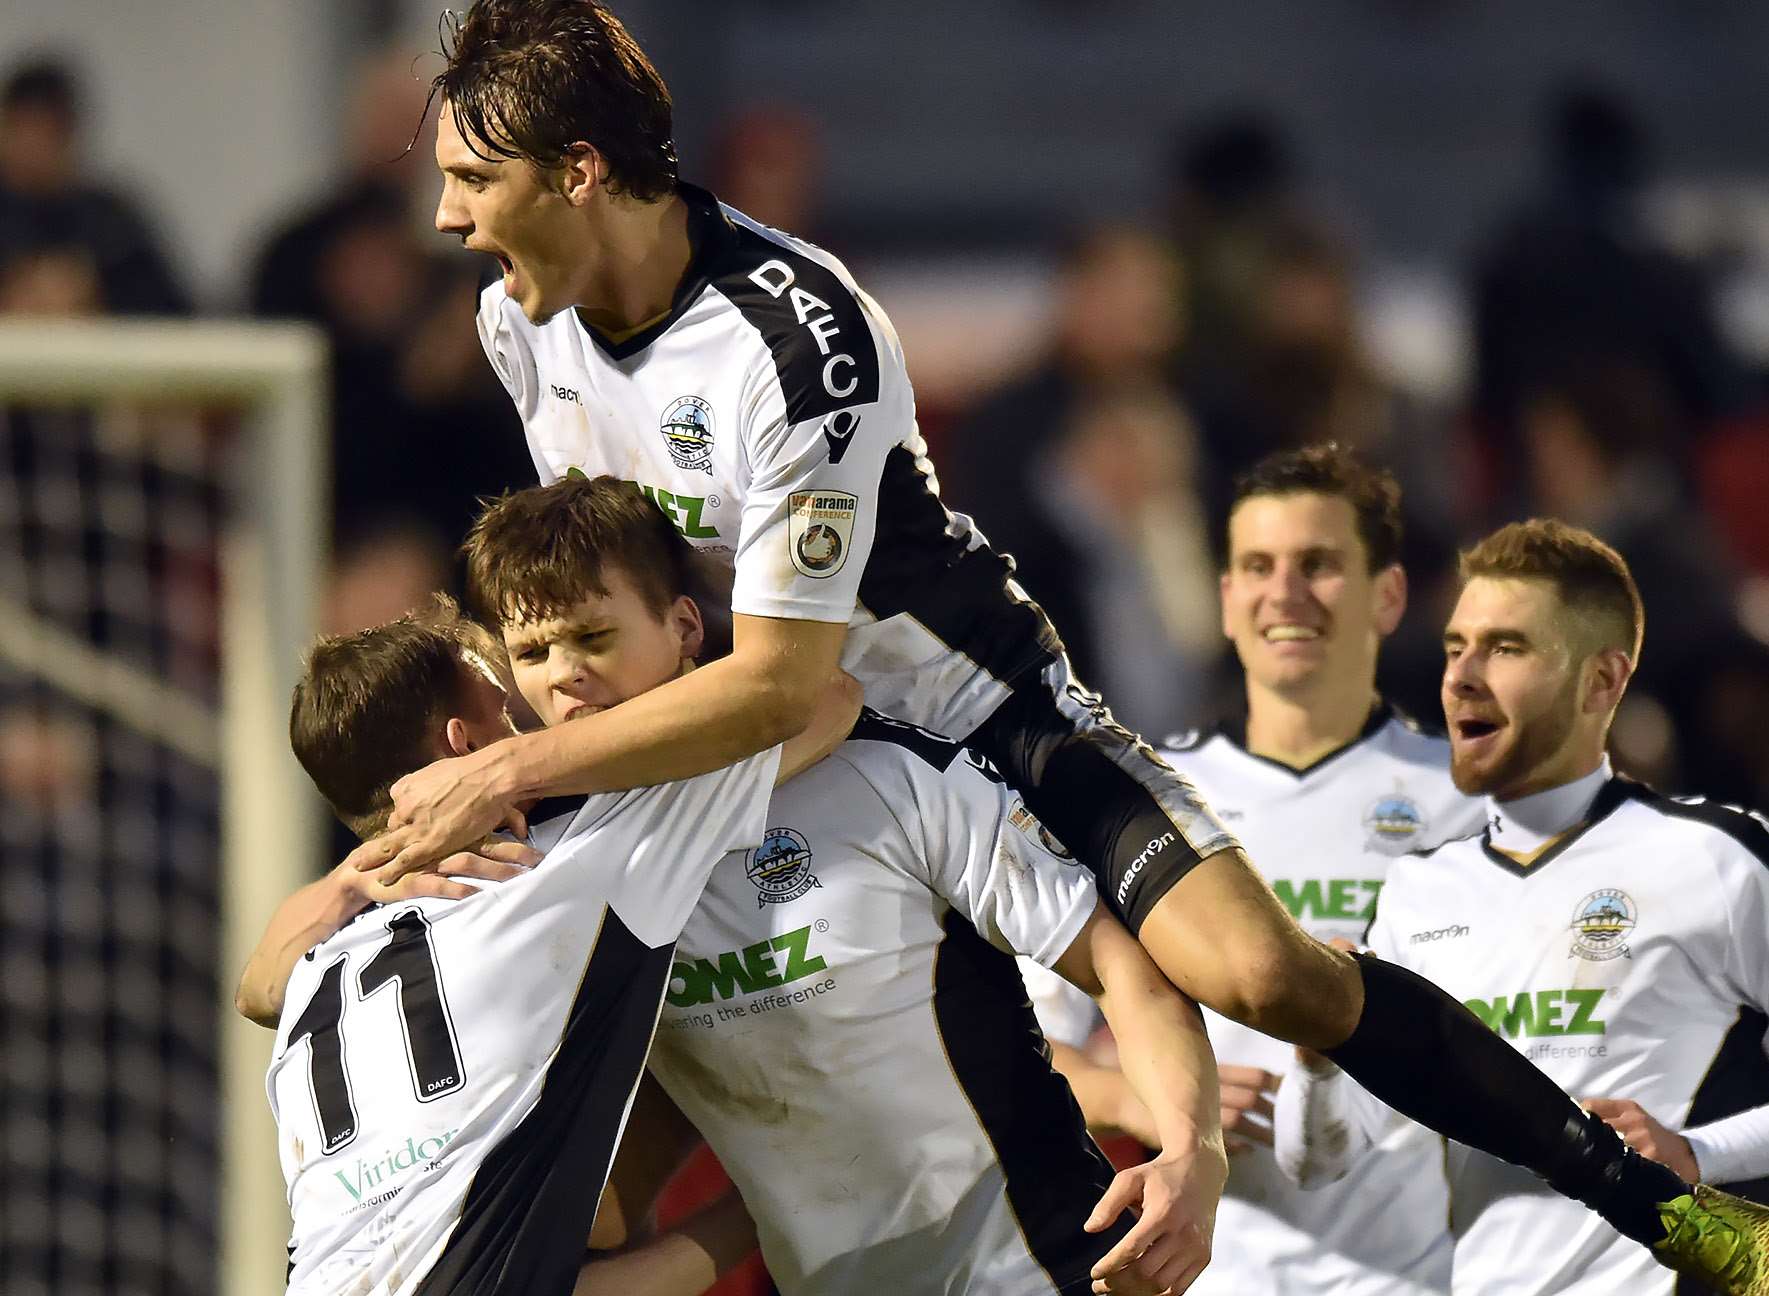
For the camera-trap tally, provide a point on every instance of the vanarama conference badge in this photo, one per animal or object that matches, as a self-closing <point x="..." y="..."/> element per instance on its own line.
<point x="819" y="529"/>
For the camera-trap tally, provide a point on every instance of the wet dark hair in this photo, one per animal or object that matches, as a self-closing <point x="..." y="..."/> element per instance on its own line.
<point x="529" y="79"/>
<point x="1331" y="469"/>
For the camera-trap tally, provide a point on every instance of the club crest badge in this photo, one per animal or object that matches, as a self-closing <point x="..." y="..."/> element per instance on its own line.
<point x="780" y="867"/>
<point x="1394" y="824"/>
<point x="820" y="529"/>
<point x="1601" y="925"/>
<point x="1030" y="825"/>
<point x="687" y="428"/>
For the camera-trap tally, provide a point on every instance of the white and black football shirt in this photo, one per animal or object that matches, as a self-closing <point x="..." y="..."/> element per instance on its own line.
<point x="846" y="1026"/>
<point x="1325" y="838"/>
<point x="451" y="1076"/>
<point x="771" y="417"/>
<point x="1629" y="958"/>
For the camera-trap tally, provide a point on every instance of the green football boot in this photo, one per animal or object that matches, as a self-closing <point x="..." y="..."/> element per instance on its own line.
<point x="1717" y="1239"/>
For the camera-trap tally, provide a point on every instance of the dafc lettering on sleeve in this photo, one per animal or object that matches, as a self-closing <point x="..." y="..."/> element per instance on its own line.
<point x="815" y="328"/>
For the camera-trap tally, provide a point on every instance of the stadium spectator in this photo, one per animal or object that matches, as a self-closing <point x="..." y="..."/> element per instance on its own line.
<point x="768" y="163"/>
<point x="1234" y="189"/>
<point x="419" y="428"/>
<point x="73" y="229"/>
<point x="1038" y="465"/>
<point x="1600" y="441"/>
<point x="1572" y="273"/>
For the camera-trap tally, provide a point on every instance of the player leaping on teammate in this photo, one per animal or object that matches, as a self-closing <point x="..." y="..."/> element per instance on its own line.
<point x="740" y="376"/>
<point x="858" y="1049"/>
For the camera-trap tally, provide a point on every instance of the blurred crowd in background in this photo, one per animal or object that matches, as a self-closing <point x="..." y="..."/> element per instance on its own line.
<point x="1598" y="354"/>
<point x="1151" y="360"/>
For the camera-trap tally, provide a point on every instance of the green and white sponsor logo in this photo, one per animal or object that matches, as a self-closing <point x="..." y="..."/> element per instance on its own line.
<point x="1541" y="1012"/>
<point x="368" y="1177"/>
<point x="1342" y="898"/>
<point x="765" y="965"/>
<point x="683" y="510"/>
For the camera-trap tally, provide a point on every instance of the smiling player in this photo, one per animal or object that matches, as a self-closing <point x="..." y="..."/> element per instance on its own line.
<point x="1617" y="938"/>
<point x="741" y="376"/>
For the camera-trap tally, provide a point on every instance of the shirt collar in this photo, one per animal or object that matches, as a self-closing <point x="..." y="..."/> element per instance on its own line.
<point x="1523" y="825"/>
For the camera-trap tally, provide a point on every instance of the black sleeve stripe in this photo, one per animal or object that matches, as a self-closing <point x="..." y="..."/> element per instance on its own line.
<point x="1053" y="1170"/>
<point x="554" y="807"/>
<point x="936" y="751"/>
<point x="532" y="1201"/>
<point x="1743" y="827"/>
<point x="1736" y="1081"/>
<point x="812" y="322"/>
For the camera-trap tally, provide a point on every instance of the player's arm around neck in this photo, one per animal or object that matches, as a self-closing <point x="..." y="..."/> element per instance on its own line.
<point x="771" y="688"/>
<point x="764" y="693"/>
<point x="1166" y="1057"/>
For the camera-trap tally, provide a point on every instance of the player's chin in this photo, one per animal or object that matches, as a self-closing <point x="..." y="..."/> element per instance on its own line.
<point x="1476" y="772"/>
<point x="538" y="311"/>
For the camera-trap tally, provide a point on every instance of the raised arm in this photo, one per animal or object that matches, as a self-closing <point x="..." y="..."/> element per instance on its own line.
<point x="1166" y="1058"/>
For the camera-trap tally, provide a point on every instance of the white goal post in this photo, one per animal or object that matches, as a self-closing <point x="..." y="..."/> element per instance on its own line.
<point x="272" y="554"/>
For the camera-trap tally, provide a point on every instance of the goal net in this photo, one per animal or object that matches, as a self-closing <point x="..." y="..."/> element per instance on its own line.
<point x="162" y="525"/>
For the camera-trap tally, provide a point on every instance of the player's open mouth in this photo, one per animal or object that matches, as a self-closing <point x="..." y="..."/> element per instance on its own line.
<point x="580" y="710"/>
<point x="1289" y="633"/>
<point x="1473" y="730"/>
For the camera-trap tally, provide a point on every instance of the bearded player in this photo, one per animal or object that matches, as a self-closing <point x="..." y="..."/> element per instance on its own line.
<point x="1617" y="938"/>
<point x="743" y="379"/>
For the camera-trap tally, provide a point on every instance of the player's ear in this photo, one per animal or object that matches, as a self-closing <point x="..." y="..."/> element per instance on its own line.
<point x="1607" y="673"/>
<point x="684" y="619"/>
<point x="459" y="744"/>
<point x="1222" y="584"/>
<point x="1391" y="598"/>
<point x="582" y="173"/>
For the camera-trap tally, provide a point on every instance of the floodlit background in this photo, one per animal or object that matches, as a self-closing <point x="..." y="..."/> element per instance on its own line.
<point x="1516" y="250"/>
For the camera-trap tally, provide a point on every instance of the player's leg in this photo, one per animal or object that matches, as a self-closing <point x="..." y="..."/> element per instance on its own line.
<point x="1220" y="935"/>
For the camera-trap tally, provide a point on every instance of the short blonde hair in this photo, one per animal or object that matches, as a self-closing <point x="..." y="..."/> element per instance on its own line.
<point x="1591" y="579"/>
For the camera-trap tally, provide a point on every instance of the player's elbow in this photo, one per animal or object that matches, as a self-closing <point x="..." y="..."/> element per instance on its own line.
<point x="255" y="1007"/>
<point x="779" y="710"/>
<point x="785" y="704"/>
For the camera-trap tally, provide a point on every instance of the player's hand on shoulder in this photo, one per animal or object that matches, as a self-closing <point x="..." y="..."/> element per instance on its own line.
<point x="1174" y="1197"/>
<point x="1645" y="1135"/>
<point x="438" y="811"/>
<point x="1247" y="1097"/>
<point x="491" y="860"/>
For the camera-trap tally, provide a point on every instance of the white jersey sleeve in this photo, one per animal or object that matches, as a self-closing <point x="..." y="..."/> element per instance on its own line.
<point x="994" y="862"/>
<point x="818" y="424"/>
<point x="697" y="819"/>
<point x="1744" y="886"/>
<point x="512" y="360"/>
<point x="1736" y="1148"/>
<point x="983" y="852"/>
